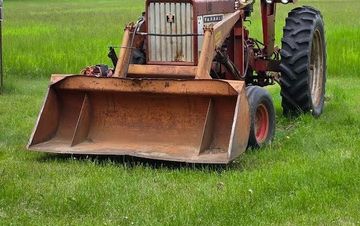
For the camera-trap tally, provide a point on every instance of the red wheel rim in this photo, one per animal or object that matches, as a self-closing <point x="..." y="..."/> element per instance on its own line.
<point x="261" y="123"/>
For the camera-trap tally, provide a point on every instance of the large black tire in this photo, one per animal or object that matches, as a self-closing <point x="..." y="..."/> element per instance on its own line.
<point x="303" y="63"/>
<point x="262" y="115"/>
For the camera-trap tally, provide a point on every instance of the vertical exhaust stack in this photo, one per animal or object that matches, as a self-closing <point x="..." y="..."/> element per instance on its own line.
<point x="198" y="121"/>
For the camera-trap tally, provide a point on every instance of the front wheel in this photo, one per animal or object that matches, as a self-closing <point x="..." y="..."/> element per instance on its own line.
<point x="303" y="62"/>
<point x="262" y="115"/>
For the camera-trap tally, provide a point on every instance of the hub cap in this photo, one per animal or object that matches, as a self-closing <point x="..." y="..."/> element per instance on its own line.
<point x="316" y="69"/>
<point x="261" y="123"/>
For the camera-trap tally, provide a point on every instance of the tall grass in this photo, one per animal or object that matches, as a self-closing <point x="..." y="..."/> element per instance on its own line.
<point x="62" y="37"/>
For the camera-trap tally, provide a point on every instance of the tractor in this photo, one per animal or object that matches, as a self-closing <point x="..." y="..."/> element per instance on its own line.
<point x="187" y="84"/>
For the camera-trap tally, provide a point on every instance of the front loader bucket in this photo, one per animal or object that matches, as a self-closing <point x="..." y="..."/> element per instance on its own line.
<point x="197" y="121"/>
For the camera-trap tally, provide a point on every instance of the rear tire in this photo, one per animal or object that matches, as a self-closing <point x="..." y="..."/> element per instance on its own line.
<point x="303" y="63"/>
<point x="262" y="115"/>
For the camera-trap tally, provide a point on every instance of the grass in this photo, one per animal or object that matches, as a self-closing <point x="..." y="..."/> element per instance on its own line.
<point x="309" y="175"/>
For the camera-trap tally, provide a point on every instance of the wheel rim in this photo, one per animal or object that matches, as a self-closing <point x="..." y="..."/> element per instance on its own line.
<point x="316" y="69"/>
<point x="261" y="123"/>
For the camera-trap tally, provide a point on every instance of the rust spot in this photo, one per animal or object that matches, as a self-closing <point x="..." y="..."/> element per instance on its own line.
<point x="179" y="56"/>
<point x="136" y="82"/>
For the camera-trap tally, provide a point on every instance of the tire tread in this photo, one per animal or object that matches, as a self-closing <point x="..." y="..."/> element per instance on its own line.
<point x="296" y="44"/>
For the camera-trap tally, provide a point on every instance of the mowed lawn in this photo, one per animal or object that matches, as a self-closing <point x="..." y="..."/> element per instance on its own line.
<point x="309" y="175"/>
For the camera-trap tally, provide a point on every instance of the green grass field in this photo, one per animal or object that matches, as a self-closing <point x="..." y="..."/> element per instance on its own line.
<point x="310" y="175"/>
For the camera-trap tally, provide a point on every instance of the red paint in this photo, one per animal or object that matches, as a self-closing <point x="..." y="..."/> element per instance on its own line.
<point x="261" y="123"/>
<point x="259" y="59"/>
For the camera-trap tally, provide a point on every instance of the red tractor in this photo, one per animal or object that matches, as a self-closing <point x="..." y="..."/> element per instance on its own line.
<point x="186" y="84"/>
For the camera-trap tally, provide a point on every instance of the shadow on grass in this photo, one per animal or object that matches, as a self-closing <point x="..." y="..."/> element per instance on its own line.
<point x="130" y="162"/>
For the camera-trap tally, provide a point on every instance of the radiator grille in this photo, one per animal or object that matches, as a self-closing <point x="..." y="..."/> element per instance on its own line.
<point x="170" y="49"/>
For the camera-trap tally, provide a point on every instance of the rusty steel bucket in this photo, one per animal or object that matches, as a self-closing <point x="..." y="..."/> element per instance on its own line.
<point x="196" y="121"/>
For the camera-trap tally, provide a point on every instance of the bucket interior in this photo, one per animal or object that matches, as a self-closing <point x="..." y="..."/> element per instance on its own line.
<point x="120" y="123"/>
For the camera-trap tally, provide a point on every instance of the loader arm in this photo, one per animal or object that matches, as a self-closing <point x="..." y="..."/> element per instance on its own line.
<point x="213" y="39"/>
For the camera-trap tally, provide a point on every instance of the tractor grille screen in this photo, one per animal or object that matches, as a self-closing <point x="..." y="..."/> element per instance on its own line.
<point x="170" y="19"/>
